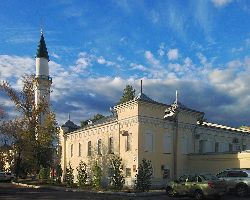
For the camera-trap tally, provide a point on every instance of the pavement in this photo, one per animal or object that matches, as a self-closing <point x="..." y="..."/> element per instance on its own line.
<point x="65" y="189"/>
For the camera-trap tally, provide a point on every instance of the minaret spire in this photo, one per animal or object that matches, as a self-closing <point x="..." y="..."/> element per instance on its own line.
<point x="141" y="86"/>
<point x="42" y="51"/>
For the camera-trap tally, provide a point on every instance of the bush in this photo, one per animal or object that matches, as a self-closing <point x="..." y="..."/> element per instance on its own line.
<point x="69" y="177"/>
<point x="43" y="174"/>
<point x="116" y="178"/>
<point x="97" y="176"/>
<point x="58" y="173"/>
<point x="81" y="174"/>
<point x="144" y="175"/>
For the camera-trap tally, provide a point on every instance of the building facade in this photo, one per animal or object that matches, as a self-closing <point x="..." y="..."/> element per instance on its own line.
<point x="167" y="135"/>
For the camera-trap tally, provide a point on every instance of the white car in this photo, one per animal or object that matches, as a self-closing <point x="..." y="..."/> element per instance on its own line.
<point x="6" y="176"/>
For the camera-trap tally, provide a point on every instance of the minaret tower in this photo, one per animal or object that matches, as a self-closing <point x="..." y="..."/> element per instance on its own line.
<point x="43" y="80"/>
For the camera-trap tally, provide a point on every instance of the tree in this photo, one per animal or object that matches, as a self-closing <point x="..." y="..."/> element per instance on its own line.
<point x="96" y="176"/>
<point x="128" y="94"/>
<point x="144" y="175"/>
<point x="96" y="117"/>
<point x="81" y="174"/>
<point x="69" y="176"/>
<point x="116" y="178"/>
<point x="59" y="172"/>
<point x="43" y="174"/>
<point x="33" y="142"/>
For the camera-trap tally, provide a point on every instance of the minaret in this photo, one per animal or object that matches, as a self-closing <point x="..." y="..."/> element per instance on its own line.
<point x="43" y="80"/>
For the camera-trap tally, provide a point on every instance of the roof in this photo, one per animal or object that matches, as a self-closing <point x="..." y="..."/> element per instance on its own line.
<point x="143" y="97"/>
<point x="212" y="125"/>
<point x="103" y="120"/>
<point x="183" y="107"/>
<point x="42" y="49"/>
<point x="71" y="125"/>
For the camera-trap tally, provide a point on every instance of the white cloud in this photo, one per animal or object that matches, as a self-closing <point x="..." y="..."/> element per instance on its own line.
<point x="84" y="60"/>
<point x="173" y="54"/>
<point x="151" y="59"/>
<point x="15" y="66"/>
<point x="53" y="54"/>
<point x="221" y="3"/>
<point x="161" y="49"/>
<point x="101" y="60"/>
<point x="138" y="67"/>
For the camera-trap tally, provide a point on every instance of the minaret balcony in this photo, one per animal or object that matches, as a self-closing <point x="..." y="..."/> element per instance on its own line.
<point x="44" y="77"/>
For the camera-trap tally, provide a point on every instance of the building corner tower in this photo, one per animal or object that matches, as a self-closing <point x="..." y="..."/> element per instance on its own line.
<point x="42" y="79"/>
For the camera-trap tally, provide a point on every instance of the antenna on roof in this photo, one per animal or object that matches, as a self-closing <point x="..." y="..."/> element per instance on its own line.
<point x="176" y="96"/>
<point x="69" y="116"/>
<point x="141" y="86"/>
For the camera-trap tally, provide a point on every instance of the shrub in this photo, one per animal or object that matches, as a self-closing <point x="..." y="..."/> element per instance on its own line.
<point x="97" y="176"/>
<point x="81" y="174"/>
<point x="116" y="178"/>
<point x="69" y="177"/>
<point x="144" y="175"/>
<point x="43" y="174"/>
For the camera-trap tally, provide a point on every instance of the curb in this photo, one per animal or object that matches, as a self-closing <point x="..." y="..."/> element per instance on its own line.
<point x="58" y="188"/>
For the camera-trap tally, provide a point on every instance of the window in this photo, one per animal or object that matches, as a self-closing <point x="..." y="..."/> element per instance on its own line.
<point x="184" y="145"/>
<point x="167" y="143"/>
<point x="216" y="147"/>
<point x="230" y="147"/>
<point x="89" y="148"/>
<point x="71" y="150"/>
<point x="79" y="149"/>
<point x="99" y="147"/>
<point x="128" y="172"/>
<point x="111" y="145"/>
<point x="202" y="146"/>
<point x="128" y="142"/>
<point x="222" y="174"/>
<point x="148" y="144"/>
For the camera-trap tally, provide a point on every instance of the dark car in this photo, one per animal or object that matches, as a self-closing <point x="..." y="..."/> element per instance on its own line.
<point x="197" y="186"/>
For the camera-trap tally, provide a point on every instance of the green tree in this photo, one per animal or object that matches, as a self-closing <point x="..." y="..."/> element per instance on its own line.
<point x="128" y="94"/>
<point x="69" y="176"/>
<point x="59" y="172"/>
<point x="96" y="176"/>
<point x="81" y="174"/>
<point x="95" y="118"/>
<point x="33" y="142"/>
<point x="144" y="175"/>
<point x="116" y="178"/>
<point x="43" y="174"/>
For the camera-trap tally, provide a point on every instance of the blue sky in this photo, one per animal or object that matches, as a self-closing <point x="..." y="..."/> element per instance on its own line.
<point x="201" y="48"/>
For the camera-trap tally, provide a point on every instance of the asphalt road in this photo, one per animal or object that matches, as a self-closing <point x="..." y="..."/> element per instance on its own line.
<point x="13" y="192"/>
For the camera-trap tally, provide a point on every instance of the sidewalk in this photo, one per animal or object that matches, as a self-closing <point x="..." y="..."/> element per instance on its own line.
<point x="59" y="188"/>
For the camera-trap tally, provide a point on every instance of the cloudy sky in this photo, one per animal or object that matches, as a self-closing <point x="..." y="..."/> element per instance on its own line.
<point x="199" y="47"/>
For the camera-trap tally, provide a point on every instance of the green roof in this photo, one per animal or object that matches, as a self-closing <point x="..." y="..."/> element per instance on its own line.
<point x="42" y="49"/>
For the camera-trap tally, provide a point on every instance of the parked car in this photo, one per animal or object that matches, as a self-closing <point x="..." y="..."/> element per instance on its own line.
<point x="6" y="176"/>
<point x="197" y="186"/>
<point x="237" y="179"/>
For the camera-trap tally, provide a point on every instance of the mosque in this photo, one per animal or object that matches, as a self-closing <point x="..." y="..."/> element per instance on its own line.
<point x="175" y="138"/>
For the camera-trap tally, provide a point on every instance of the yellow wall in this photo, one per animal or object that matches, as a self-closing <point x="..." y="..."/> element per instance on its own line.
<point x="214" y="163"/>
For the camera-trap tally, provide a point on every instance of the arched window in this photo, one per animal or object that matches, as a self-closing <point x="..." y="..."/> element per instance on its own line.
<point x="89" y="148"/>
<point x="71" y="150"/>
<point x="99" y="147"/>
<point x="111" y="145"/>
<point x="80" y="149"/>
